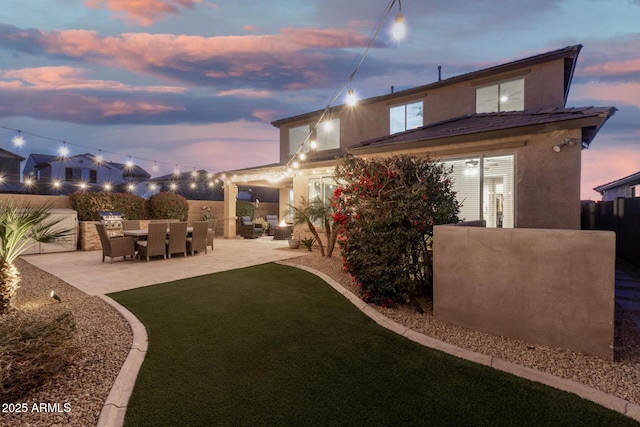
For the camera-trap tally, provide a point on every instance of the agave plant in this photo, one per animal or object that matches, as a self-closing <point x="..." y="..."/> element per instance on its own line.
<point x="20" y="227"/>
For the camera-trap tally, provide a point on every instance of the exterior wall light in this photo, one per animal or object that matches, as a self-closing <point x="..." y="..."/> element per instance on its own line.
<point x="568" y="142"/>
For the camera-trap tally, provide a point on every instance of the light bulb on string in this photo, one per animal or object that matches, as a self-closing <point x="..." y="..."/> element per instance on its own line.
<point x="129" y="163"/>
<point x="399" y="30"/>
<point x="18" y="140"/>
<point x="176" y="171"/>
<point x="64" y="150"/>
<point x="313" y="144"/>
<point x="99" y="158"/>
<point x="302" y="157"/>
<point x="155" y="166"/>
<point x="352" y="98"/>
<point x="131" y="187"/>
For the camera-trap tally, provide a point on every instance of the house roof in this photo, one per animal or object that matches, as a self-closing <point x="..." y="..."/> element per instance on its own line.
<point x="569" y="53"/>
<point x="631" y="179"/>
<point x="9" y="154"/>
<point x="42" y="159"/>
<point x="512" y="122"/>
<point x="134" y="171"/>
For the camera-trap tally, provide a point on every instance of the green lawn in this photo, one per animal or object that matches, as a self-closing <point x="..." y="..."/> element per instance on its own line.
<point x="274" y="345"/>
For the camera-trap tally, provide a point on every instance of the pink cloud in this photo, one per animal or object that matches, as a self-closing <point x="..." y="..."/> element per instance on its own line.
<point x="67" y="78"/>
<point x="610" y="93"/>
<point x="614" y="68"/>
<point x="142" y="51"/>
<point x="144" y="12"/>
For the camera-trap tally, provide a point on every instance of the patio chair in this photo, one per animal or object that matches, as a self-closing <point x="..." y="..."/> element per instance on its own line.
<point x="177" y="242"/>
<point x="156" y="243"/>
<point x="131" y="224"/>
<point x="198" y="240"/>
<point x="248" y="229"/>
<point x="211" y="233"/>
<point x="115" y="246"/>
<point x="273" y="222"/>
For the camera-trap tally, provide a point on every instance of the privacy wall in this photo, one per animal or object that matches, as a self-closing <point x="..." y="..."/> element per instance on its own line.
<point x="550" y="287"/>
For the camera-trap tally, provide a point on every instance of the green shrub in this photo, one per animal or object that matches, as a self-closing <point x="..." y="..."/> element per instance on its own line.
<point x="168" y="205"/>
<point x="89" y="204"/>
<point x="244" y="208"/>
<point x="33" y="351"/>
<point x="385" y="211"/>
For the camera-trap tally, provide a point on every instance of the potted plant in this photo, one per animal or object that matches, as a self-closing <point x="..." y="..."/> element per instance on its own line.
<point x="308" y="242"/>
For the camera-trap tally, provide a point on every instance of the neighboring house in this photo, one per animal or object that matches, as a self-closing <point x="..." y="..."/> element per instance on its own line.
<point x="514" y="147"/>
<point x="55" y="174"/>
<point x="626" y="187"/>
<point x="10" y="171"/>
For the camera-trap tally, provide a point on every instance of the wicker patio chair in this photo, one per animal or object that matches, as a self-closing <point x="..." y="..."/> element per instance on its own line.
<point x="115" y="246"/>
<point x="273" y="223"/>
<point x="248" y="229"/>
<point x="177" y="243"/>
<point x="131" y="224"/>
<point x="211" y="233"/>
<point x="198" y="240"/>
<point x="156" y="243"/>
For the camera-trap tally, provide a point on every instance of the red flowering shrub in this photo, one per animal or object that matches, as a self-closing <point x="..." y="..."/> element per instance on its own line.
<point x="385" y="211"/>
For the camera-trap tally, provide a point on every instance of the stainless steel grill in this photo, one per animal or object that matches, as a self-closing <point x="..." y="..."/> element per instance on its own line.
<point x="112" y="222"/>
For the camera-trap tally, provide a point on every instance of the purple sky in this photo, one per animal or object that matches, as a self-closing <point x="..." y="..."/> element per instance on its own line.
<point x="196" y="84"/>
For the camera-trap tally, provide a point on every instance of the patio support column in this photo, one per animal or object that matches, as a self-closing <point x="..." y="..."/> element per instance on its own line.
<point x="230" y="194"/>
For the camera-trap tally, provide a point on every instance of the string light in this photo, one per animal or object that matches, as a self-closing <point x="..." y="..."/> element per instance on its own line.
<point x="399" y="28"/>
<point x="99" y="159"/>
<point x="64" y="150"/>
<point x="129" y="164"/>
<point x="18" y="140"/>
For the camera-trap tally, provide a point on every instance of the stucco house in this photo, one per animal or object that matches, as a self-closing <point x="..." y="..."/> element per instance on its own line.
<point x="514" y="146"/>
<point x="55" y="174"/>
<point x="10" y="171"/>
<point x="626" y="187"/>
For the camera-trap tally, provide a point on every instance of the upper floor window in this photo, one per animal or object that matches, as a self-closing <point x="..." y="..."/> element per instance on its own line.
<point x="406" y="116"/>
<point x="325" y="137"/>
<point x="328" y="135"/>
<point x="297" y="137"/>
<point x="81" y="174"/>
<point x="503" y="96"/>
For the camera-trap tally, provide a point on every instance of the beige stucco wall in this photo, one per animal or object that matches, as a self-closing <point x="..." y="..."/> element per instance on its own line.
<point x="56" y="202"/>
<point x="550" y="287"/>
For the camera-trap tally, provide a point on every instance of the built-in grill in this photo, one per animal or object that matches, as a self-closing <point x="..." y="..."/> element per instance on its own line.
<point x="112" y="222"/>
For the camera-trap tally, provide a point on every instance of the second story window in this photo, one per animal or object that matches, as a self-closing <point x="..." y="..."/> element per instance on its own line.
<point x="503" y="96"/>
<point x="328" y="135"/>
<point x="406" y="116"/>
<point x="297" y="136"/>
<point x="81" y="174"/>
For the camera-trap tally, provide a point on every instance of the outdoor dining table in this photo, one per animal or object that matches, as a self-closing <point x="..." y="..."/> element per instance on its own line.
<point x="144" y="232"/>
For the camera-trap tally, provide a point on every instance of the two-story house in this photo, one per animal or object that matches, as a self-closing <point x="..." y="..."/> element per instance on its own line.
<point x="628" y="186"/>
<point x="61" y="175"/>
<point x="514" y="147"/>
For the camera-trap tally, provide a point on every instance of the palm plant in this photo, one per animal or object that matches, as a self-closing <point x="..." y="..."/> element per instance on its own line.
<point x="20" y="226"/>
<point x="310" y="212"/>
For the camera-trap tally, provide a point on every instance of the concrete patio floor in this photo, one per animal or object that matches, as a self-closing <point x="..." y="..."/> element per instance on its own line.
<point x="86" y="271"/>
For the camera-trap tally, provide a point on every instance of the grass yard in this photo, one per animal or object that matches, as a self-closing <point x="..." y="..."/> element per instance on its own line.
<point x="274" y="345"/>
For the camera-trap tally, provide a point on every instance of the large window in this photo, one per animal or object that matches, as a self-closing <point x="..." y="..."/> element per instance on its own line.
<point x="297" y="136"/>
<point x="328" y="135"/>
<point x="322" y="187"/>
<point x="503" y="96"/>
<point x="81" y="174"/>
<point x="485" y="187"/>
<point x="405" y="117"/>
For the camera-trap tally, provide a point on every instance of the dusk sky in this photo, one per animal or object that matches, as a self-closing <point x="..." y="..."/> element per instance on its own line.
<point x="196" y="83"/>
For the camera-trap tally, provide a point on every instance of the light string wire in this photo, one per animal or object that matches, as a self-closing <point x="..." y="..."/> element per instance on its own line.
<point x="361" y="55"/>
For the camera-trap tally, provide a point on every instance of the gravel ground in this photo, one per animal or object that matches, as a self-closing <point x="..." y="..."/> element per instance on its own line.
<point x="104" y="339"/>
<point x="619" y="378"/>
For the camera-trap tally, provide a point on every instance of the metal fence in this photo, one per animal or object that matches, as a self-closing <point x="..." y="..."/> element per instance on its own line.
<point x="621" y="215"/>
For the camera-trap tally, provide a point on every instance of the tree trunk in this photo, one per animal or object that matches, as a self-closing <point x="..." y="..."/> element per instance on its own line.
<point x="317" y="237"/>
<point x="9" y="280"/>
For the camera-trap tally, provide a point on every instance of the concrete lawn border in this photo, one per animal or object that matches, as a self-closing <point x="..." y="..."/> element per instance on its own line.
<point x="114" y="408"/>
<point x="614" y="403"/>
